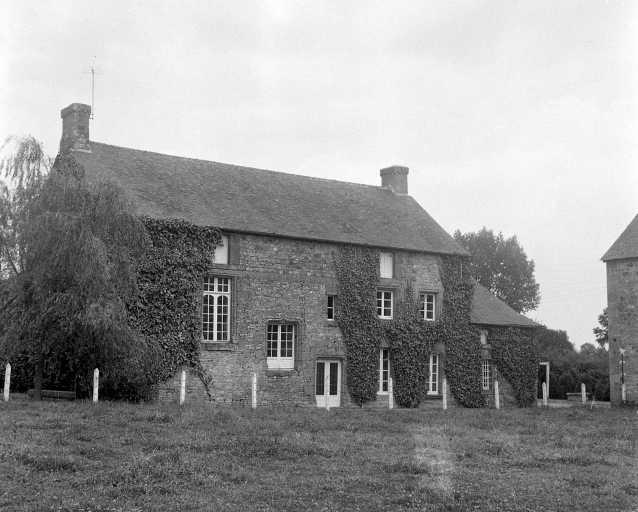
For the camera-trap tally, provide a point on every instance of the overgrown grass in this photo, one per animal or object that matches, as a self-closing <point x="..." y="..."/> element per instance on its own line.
<point x="112" y="457"/>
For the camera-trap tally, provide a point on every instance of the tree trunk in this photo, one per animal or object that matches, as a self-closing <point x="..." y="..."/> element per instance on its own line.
<point x="39" y="375"/>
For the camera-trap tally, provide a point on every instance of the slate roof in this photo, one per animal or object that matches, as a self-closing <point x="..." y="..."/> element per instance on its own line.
<point x="489" y="310"/>
<point x="243" y="199"/>
<point x="627" y="244"/>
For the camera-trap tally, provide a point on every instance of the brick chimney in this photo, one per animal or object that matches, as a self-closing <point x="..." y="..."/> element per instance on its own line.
<point x="395" y="178"/>
<point x="75" y="125"/>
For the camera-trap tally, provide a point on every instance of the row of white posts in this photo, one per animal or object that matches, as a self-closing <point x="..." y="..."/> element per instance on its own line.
<point x="7" y="383"/>
<point x="182" y="390"/>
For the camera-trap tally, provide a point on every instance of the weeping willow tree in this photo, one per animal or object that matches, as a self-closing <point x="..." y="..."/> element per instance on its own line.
<point x="68" y="246"/>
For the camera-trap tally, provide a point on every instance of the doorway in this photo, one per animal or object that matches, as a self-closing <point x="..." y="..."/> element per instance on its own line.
<point x="328" y="375"/>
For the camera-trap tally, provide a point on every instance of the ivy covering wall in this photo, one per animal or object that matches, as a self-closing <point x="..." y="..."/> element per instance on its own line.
<point x="411" y="341"/>
<point x="462" y="339"/>
<point x="515" y="354"/>
<point x="170" y="272"/>
<point x="358" y="276"/>
<point x="410" y="338"/>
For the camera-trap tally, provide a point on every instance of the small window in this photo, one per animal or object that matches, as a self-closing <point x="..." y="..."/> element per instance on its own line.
<point x="487" y="375"/>
<point x="384" y="303"/>
<point x="221" y="252"/>
<point x="331" y="311"/>
<point x="216" y="309"/>
<point x="433" y="381"/>
<point x="384" y="371"/>
<point x="386" y="261"/>
<point x="483" y="337"/>
<point x="280" y="346"/>
<point x="427" y="306"/>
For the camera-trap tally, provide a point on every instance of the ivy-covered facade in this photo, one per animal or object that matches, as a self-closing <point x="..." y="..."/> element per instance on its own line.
<point x="326" y="291"/>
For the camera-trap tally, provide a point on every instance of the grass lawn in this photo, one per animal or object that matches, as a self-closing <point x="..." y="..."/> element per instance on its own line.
<point x="79" y="457"/>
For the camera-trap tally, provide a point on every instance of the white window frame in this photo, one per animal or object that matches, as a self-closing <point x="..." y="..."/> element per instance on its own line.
<point x="221" y="252"/>
<point x="386" y="265"/>
<point x="216" y="304"/>
<point x="384" y="296"/>
<point x="433" y="379"/>
<point x="280" y="346"/>
<point x="331" y="308"/>
<point x="428" y="302"/>
<point x="487" y="374"/>
<point x="384" y="371"/>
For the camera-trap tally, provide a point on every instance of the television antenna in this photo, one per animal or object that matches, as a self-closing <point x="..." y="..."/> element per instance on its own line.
<point x="93" y="72"/>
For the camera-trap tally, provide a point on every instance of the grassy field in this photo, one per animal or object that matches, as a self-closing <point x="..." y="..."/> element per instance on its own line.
<point x="84" y="457"/>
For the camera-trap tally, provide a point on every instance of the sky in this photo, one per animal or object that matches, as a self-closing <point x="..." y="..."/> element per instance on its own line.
<point x="517" y="116"/>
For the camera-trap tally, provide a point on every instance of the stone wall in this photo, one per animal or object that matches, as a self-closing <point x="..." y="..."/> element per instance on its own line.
<point x="622" y="310"/>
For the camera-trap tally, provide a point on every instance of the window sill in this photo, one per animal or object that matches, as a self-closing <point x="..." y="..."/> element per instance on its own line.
<point x="280" y="373"/>
<point x="217" y="346"/>
<point x="331" y="323"/>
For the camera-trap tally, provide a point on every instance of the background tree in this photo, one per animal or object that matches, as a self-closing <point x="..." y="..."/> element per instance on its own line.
<point x="71" y="246"/>
<point x="554" y="344"/>
<point x="502" y="267"/>
<point x="601" y="332"/>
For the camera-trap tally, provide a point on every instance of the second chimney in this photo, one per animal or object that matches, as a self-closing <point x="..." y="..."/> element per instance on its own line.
<point x="75" y="126"/>
<point x="396" y="178"/>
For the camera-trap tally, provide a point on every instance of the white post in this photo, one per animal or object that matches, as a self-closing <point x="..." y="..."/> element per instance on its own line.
<point x="623" y="391"/>
<point x="7" y="381"/>
<point x="96" y="381"/>
<point x="497" y="399"/>
<point x="583" y="393"/>
<point x="182" y="388"/>
<point x="254" y="401"/>
<point x="444" y="386"/>
<point x="544" y="394"/>
<point x="326" y="389"/>
<point x="390" y="394"/>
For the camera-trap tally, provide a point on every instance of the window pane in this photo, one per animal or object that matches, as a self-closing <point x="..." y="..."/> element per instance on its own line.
<point x="384" y="370"/>
<point x="272" y="340"/>
<point x="434" y="375"/>
<point x="320" y="377"/>
<point x="334" y="378"/>
<point x="385" y="261"/>
<point x="331" y="307"/>
<point x="221" y="251"/>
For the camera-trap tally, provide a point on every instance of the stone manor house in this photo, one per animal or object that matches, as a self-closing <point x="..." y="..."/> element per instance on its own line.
<point x="622" y="313"/>
<point x="269" y="306"/>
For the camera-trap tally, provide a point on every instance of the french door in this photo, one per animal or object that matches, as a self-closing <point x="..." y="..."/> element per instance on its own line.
<point x="328" y="383"/>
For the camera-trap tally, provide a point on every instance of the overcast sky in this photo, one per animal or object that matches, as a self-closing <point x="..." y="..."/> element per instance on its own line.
<point x="519" y="116"/>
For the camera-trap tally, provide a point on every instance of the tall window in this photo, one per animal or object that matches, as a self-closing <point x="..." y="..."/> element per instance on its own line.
<point x="384" y="371"/>
<point x="216" y="309"/>
<point x="386" y="261"/>
<point x="331" y="307"/>
<point x="487" y="375"/>
<point x="384" y="303"/>
<point x="433" y="381"/>
<point x="221" y="251"/>
<point x="280" y="346"/>
<point x="427" y="306"/>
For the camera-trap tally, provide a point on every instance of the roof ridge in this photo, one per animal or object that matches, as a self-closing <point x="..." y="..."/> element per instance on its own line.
<point x="241" y="166"/>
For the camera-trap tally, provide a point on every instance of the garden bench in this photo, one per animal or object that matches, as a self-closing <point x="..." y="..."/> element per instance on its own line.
<point x="52" y="394"/>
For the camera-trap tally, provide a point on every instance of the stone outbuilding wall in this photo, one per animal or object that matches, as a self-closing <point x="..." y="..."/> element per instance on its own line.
<point x="622" y="311"/>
